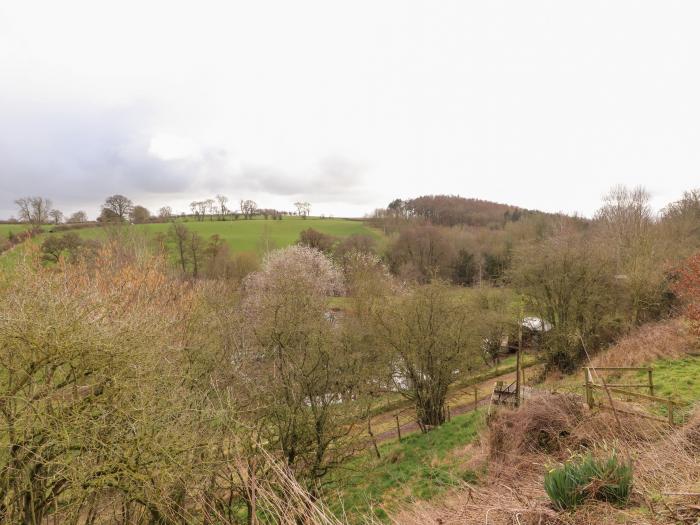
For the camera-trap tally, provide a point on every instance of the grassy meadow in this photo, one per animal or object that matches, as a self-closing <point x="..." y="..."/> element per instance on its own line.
<point x="5" y="229"/>
<point x="247" y="235"/>
<point x="241" y="235"/>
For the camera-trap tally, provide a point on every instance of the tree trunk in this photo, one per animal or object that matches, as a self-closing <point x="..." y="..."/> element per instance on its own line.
<point x="431" y="412"/>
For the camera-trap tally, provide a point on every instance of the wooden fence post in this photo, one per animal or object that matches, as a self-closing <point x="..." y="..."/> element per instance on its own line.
<point x="589" y="392"/>
<point x="476" y="398"/>
<point x="398" y="427"/>
<point x="449" y="414"/>
<point x="651" y="383"/>
<point x="517" y="359"/>
<point x="371" y="435"/>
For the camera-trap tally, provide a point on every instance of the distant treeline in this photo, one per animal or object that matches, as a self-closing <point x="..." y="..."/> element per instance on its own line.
<point x="453" y="210"/>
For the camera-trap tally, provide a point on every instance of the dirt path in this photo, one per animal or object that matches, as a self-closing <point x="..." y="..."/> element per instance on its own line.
<point x="460" y="402"/>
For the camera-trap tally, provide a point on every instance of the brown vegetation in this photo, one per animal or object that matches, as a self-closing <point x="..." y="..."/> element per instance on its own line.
<point x="521" y="445"/>
<point x="662" y="340"/>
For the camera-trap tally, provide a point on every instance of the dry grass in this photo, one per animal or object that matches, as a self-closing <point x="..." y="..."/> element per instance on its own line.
<point x="665" y="460"/>
<point x="669" y="339"/>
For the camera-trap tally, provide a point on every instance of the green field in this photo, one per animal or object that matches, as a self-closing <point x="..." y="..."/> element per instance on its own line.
<point x="5" y="229"/>
<point x="241" y="235"/>
<point x="247" y="235"/>
<point x="677" y="379"/>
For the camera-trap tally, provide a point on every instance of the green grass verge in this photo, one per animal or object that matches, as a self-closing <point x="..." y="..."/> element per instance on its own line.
<point x="678" y="379"/>
<point x="419" y="467"/>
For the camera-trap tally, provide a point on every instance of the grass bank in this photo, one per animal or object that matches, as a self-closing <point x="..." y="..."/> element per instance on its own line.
<point x="419" y="467"/>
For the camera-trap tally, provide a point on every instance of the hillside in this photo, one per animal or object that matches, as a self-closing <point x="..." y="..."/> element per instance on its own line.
<point x="452" y="210"/>
<point x="502" y="464"/>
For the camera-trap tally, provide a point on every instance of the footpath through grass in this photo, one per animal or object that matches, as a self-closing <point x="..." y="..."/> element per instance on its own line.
<point x="419" y="467"/>
<point x="460" y="393"/>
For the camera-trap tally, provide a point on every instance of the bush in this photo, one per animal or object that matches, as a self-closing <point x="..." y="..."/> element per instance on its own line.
<point x="587" y="477"/>
<point x="544" y="424"/>
<point x="687" y="287"/>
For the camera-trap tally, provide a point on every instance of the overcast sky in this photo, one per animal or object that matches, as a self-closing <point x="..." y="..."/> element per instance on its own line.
<point x="542" y="104"/>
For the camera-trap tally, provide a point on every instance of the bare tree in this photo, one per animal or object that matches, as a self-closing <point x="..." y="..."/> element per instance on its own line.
<point x="139" y="215"/>
<point x="422" y="253"/>
<point x="194" y="206"/>
<point x="56" y="216"/>
<point x="304" y="387"/>
<point x="33" y="210"/>
<point x="190" y="249"/>
<point x="316" y="239"/>
<point x="303" y="208"/>
<point x="119" y="205"/>
<point x="248" y="208"/>
<point x="195" y="249"/>
<point x="209" y="207"/>
<point x="108" y="216"/>
<point x="202" y="209"/>
<point x="165" y="212"/>
<point x="626" y="216"/>
<point x="430" y="337"/>
<point x="56" y="245"/>
<point x="222" y="200"/>
<point x="178" y="234"/>
<point x="77" y="217"/>
<point x="569" y="282"/>
<point x="625" y="223"/>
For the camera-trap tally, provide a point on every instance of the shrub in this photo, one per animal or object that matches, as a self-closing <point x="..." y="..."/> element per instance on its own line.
<point x="544" y="424"/>
<point x="587" y="477"/>
<point x="687" y="288"/>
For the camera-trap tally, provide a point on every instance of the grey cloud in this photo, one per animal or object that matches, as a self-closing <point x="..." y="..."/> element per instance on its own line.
<point x="76" y="156"/>
<point x="333" y="179"/>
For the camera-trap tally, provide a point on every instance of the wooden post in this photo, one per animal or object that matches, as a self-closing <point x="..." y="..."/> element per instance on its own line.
<point x="589" y="392"/>
<point x="449" y="414"/>
<point x="476" y="398"/>
<point x="517" y="359"/>
<point x="371" y="435"/>
<point x="651" y="383"/>
<point x="517" y="375"/>
<point x="398" y="427"/>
